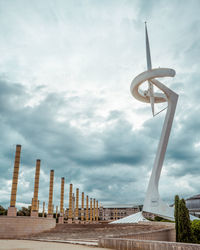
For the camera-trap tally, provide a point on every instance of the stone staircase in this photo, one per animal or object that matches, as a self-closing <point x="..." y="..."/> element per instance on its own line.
<point x="91" y="232"/>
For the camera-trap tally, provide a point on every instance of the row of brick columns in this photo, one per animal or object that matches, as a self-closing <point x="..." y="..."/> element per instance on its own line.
<point x="86" y="215"/>
<point x="94" y="212"/>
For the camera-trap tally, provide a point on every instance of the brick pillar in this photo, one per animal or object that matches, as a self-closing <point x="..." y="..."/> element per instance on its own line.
<point x="87" y="209"/>
<point x="77" y="207"/>
<point x="43" y="211"/>
<point x="82" y="209"/>
<point x="31" y="204"/>
<point x="62" y="196"/>
<point x="61" y="218"/>
<point x="12" y="210"/>
<point x="73" y="206"/>
<point x="56" y="212"/>
<point x="35" y="207"/>
<point x="116" y="214"/>
<point x="97" y="212"/>
<point x="70" y="204"/>
<point x="65" y="213"/>
<point x="90" y="210"/>
<point x="50" y="204"/>
<point x="94" y="210"/>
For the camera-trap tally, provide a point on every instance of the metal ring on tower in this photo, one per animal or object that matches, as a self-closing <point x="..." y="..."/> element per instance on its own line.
<point x="150" y="75"/>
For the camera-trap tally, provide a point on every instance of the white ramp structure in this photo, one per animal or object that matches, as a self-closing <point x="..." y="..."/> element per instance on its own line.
<point x="133" y="218"/>
<point x="153" y="202"/>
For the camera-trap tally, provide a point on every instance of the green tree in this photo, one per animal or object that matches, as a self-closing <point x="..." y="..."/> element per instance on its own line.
<point x="195" y="228"/>
<point x="24" y="211"/>
<point x="3" y="211"/>
<point x="176" y="217"/>
<point x="184" y="225"/>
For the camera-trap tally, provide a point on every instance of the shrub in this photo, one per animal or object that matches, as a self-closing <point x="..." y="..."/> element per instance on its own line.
<point x="195" y="228"/>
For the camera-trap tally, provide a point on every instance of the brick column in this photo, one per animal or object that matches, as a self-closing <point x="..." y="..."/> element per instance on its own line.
<point x="70" y="204"/>
<point x="97" y="212"/>
<point x="43" y="211"/>
<point x="77" y="207"/>
<point x="31" y="204"/>
<point x="65" y="215"/>
<point x="82" y="208"/>
<point x="90" y="210"/>
<point x="12" y="210"/>
<point x="50" y="204"/>
<point x="94" y="211"/>
<point x="73" y="206"/>
<point x="56" y="212"/>
<point x="35" y="207"/>
<point x="87" y="209"/>
<point x="61" y="218"/>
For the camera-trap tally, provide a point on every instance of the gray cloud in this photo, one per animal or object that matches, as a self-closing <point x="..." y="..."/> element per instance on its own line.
<point x="63" y="147"/>
<point x="65" y="72"/>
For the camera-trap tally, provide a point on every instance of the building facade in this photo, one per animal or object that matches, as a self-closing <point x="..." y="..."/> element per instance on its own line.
<point x="117" y="212"/>
<point x="193" y="205"/>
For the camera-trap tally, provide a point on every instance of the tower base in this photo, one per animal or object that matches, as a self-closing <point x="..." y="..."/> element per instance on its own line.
<point x="34" y="214"/>
<point x="60" y="220"/>
<point x="12" y="211"/>
<point x="69" y="221"/>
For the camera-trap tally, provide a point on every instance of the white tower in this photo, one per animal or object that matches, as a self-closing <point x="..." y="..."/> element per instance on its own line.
<point x="153" y="203"/>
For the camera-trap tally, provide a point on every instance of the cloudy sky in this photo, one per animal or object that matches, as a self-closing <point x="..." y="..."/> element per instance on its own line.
<point x="65" y="73"/>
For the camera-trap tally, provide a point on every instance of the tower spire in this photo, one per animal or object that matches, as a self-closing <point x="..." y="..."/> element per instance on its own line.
<point x="149" y="67"/>
<point x="148" y="54"/>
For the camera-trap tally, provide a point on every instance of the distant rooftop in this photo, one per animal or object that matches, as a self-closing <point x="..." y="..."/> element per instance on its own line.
<point x="121" y="206"/>
<point x="194" y="197"/>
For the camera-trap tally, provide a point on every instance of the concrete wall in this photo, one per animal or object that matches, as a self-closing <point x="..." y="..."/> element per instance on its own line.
<point x="166" y="233"/>
<point x="134" y="244"/>
<point x="160" y="235"/>
<point x="160" y="223"/>
<point x="16" y="227"/>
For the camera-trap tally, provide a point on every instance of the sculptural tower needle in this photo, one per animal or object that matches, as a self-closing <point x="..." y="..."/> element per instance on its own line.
<point x="149" y="67"/>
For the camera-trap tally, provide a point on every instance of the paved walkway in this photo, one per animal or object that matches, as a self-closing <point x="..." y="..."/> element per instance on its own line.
<point x="88" y="242"/>
<point x="37" y="245"/>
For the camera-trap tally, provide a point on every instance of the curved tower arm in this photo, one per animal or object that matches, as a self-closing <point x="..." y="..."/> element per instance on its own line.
<point x="152" y="202"/>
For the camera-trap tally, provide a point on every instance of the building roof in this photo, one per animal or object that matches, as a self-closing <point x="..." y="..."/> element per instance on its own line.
<point x="121" y="206"/>
<point x="194" y="197"/>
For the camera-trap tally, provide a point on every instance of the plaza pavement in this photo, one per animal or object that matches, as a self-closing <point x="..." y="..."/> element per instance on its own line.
<point x="38" y="245"/>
